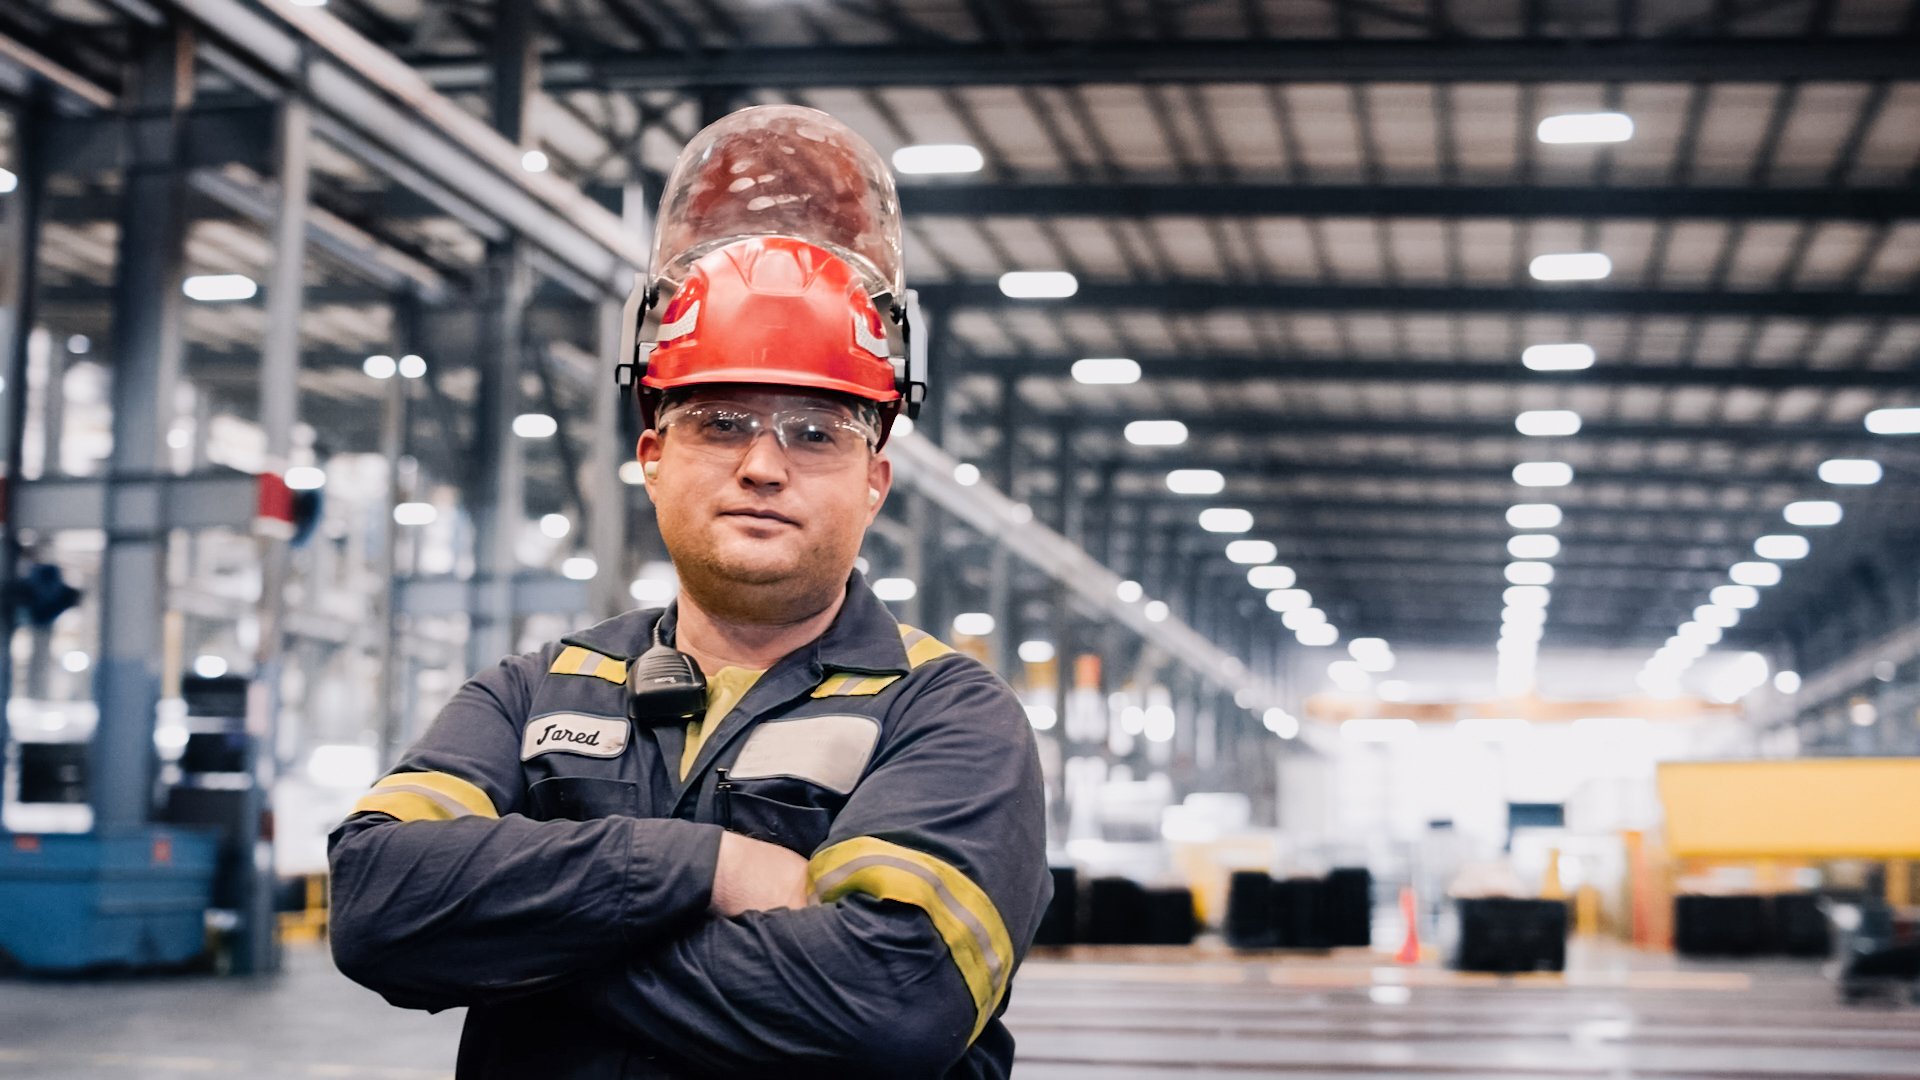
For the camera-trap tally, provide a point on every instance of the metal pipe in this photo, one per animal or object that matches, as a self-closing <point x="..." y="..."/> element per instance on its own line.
<point x="928" y="469"/>
<point x="363" y="87"/>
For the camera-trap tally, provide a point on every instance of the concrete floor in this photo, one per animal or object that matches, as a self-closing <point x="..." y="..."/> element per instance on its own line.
<point x="1128" y="1015"/>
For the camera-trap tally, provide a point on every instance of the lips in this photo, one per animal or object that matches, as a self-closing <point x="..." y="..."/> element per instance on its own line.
<point x="761" y="515"/>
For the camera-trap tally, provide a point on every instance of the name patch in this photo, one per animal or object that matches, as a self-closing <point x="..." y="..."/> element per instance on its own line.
<point x="574" y="733"/>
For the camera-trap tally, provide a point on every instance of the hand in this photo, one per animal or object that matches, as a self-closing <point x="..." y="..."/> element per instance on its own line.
<point x="753" y="875"/>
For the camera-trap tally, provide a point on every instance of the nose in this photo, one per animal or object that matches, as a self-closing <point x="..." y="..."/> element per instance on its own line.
<point x="764" y="465"/>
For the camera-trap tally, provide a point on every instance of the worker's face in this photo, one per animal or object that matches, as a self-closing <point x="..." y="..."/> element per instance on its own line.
<point x="762" y="532"/>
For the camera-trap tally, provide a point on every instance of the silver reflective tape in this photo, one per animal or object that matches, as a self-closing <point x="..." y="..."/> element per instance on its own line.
<point x="831" y="750"/>
<point x="959" y="910"/>
<point x="452" y="807"/>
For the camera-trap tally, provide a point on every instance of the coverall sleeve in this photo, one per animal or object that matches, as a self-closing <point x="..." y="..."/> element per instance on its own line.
<point x="932" y="884"/>
<point x="445" y="894"/>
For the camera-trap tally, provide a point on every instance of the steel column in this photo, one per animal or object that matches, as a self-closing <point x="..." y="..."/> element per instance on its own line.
<point x="256" y="946"/>
<point x="394" y="422"/>
<point x="146" y="356"/>
<point x="498" y="490"/>
<point x="22" y="250"/>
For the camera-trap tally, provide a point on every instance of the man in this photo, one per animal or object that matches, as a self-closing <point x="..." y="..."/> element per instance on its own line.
<point x="768" y="831"/>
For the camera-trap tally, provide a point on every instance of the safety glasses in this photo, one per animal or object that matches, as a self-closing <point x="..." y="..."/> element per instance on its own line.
<point x="812" y="436"/>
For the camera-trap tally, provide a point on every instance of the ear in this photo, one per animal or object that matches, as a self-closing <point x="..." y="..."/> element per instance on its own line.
<point x="647" y="452"/>
<point x="880" y="479"/>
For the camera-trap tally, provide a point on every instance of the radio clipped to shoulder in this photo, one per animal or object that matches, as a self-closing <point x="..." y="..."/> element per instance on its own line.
<point x="665" y="685"/>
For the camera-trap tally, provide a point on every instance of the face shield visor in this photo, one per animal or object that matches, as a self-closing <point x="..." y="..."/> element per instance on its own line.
<point x="782" y="171"/>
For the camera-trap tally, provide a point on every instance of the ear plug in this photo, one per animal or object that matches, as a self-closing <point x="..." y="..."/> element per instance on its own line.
<point x="873" y="496"/>
<point x="652" y="470"/>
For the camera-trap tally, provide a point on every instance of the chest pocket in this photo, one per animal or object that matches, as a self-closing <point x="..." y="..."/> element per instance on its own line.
<point x="792" y="776"/>
<point x="581" y="798"/>
<point x="576" y="749"/>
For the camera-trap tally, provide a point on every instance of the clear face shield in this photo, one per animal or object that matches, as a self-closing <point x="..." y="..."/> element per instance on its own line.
<point x="785" y="171"/>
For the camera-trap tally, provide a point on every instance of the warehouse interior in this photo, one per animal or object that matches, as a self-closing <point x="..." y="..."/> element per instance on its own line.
<point x="1442" y="477"/>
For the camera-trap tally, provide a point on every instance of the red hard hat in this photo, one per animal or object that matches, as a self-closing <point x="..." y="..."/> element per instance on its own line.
<point x="775" y="311"/>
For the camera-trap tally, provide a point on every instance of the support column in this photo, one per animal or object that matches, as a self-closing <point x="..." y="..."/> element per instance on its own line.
<point x="21" y="247"/>
<point x="914" y="561"/>
<point x="497" y="488"/>
<point x="608" y="447"/>
<point x="145" y="354"/>
<point x="394" y="420"/>
<point x="256" y="946"/>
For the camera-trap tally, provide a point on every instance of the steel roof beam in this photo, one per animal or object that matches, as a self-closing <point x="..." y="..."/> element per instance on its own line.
<point x="1147" y="199"/>
<point x="1188" y="297"/>
<point x="1060" y="63"/>
<point x="1289" y="509"/>
<point x="1244" y="423"/>
<point x="1494" y="372"/>
<point x="1243" y="481"/>
<point x="1234" y="200"/>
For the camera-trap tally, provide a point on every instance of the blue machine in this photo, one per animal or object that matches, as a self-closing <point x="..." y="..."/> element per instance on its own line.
<point x="132" y="897"/>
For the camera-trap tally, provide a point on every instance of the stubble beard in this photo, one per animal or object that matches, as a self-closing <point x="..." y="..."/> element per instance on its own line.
<point x="760" y="595"/>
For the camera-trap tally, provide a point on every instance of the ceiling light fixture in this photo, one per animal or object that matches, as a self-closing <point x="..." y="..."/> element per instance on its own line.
<point x="1271" y="577"/>
<point x="1106" y="371"/>
<point x="1902" y="421"/>
<point x="1543" y="474"/>
<point x="934" y="159"/>
<point x="1547" y="422"/>
<point x="1252" y="552"/>
<point x="1196" y="482"/>
<point x="1859" y="471"/>
<point x="219" y="288"/>
<point x="1572" y="128"/>
<point x="1038" y="284"/>
<point x="1782" y="547"/>
<point x="1534" y="516"/>
<point x="1566" y="356"/>
<point x="1812" y="513"/>
<point x="1570" y="266"/>
<point x="1534" y="546"/>
<point x="1226" y="519"/>
<point x="1156" y="433"/>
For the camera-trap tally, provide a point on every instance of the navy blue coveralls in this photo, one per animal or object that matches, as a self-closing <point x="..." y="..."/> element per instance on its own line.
<point x="538" y="859"/>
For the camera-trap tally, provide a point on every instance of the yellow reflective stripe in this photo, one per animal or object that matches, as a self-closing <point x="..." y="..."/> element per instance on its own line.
<point x="921" y="646"/>
<point x="574" y="660"/>
<point x="854" y="685"/>
<point x="426" y="796"/>
<point x="832" y="685"/>
<point x="961" y="911"/>
<point x="404" y="805"/>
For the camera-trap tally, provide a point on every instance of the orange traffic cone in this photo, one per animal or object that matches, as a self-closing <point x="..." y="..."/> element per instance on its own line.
<point x="1410" y="910"/>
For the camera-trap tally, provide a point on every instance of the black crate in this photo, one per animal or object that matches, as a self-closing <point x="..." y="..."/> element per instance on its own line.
<point x="1348" y="906"/>
<point x="1800" y="927"/>
<point x="1506" y="935"/>
<point x="1298" y="913"/>
<point x="53" y="772"/>
<point x="1249" y="920"/>
<point x="1117" y="912"/>
<point x="1170" y="918"/>
<point x="1722" y="926"/>
<point x="215" y="752"/>
<point x="224" y="695"/>
<point x="1059" y="923"/>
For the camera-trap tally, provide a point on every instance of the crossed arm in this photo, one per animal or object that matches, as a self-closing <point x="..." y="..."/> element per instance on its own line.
<point x="695" y="940"/>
